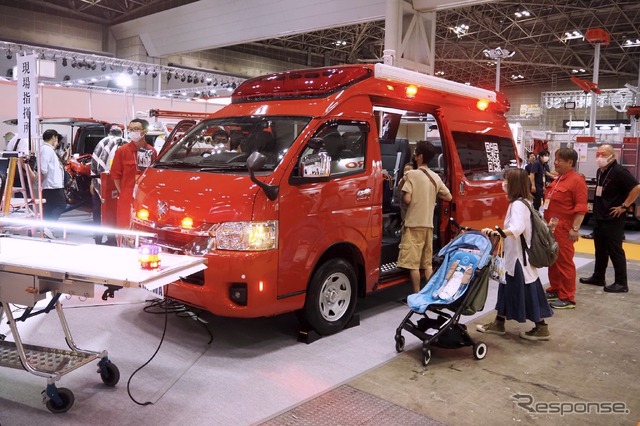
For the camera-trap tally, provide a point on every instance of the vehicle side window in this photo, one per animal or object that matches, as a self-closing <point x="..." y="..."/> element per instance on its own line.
<point x="484" y="157"/>
<point x="344" y="143"/>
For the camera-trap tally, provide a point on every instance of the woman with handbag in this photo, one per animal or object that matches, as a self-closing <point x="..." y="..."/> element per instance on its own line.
<point x="521" y="297"/>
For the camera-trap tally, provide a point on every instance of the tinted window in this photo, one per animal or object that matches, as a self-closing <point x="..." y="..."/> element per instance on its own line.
<point x="228" y="142"/>
<point x="346" y="145"/>
<point x="484" y="157"/>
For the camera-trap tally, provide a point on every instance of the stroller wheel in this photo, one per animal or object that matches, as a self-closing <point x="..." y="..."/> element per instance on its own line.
<point x="426" y="356"/>
<point x="479" y="350"/>
<point x="399" y="343"/>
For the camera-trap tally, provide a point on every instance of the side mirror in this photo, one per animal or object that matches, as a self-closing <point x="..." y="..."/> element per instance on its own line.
<point x="255" y="162"/>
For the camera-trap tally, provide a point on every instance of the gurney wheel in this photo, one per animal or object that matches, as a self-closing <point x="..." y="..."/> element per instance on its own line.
<point x="479" y="350"/>
<point x="426" y="356"/>
<point x="399" y="343"/>
<point x="109" y="374"/>
<point x="67" y="398"/>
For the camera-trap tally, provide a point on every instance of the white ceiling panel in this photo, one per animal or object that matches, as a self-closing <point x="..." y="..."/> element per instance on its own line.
<point x="210" y="24"/>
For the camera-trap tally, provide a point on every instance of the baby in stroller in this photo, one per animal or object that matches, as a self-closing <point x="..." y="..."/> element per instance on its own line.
<point x="457" y="287"/>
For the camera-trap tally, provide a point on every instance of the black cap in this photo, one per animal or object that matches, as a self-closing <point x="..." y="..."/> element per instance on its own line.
<point x="49" y="133"/>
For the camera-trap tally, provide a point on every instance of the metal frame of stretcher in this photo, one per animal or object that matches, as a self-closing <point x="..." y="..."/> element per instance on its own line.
<point x="31" y="268"/>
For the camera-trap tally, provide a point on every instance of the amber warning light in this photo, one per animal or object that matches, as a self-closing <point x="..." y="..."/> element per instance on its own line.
<point x="482" y="104"/>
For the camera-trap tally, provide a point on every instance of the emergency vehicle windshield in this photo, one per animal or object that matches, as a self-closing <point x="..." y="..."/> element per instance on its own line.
<point x="225" y="144"/>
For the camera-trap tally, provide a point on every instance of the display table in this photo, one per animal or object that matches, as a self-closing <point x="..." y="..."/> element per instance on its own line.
<point x="31" y="268"/>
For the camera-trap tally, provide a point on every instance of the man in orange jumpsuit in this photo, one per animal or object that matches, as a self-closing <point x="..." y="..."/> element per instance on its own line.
<point x="565" y="199"/>
<point x="127" y="162"/>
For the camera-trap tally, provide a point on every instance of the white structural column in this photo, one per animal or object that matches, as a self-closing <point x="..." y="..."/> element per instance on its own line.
<point x="410" y="37"/>
<point x="594" y="96"/>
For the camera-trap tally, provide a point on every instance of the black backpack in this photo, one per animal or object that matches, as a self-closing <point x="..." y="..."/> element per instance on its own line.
<point x="544" y="247"/>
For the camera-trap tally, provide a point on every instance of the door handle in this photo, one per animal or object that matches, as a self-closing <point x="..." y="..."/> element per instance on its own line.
<point x="363" y="194"/>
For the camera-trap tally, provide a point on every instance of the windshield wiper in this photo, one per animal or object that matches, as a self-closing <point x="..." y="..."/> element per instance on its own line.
<point x="223" y="168"/>
<point x="177" y="165"/>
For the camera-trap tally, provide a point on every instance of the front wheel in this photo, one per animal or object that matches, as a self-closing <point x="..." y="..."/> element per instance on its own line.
<point x="331" y="297"/>
<point x="480" y="350"/>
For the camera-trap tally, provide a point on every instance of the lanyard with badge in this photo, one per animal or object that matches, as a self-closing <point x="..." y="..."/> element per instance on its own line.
<point x="553" y="189"/>
<point x="601" y="184"/>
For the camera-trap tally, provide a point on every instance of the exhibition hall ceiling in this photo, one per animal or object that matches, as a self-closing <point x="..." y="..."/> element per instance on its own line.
<point x="547" y="38"/>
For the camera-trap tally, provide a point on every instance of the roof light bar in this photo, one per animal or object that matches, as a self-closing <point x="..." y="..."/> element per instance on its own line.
<point x="389" y="72"/>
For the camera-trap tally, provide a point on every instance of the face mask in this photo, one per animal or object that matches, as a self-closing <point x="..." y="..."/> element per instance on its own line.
<point x="135" y="136"/>
<point x="545" y="159"/>
<point x="602" y="162"/>
<point x="505" y="188"/>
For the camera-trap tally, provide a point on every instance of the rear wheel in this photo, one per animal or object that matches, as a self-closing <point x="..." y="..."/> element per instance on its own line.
<point x="331" y="297"/>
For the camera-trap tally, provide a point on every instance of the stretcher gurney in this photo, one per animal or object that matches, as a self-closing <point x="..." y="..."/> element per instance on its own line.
<point x="31" y="268"/>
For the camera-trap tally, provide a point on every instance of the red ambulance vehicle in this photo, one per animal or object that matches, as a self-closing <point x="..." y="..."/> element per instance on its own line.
<point x="300" y="212"/>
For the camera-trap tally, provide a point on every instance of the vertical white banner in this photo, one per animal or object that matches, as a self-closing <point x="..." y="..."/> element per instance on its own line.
<point x="27" y="81"/>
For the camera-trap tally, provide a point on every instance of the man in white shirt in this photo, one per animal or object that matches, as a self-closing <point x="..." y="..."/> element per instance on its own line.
<point x="52" y="174"/>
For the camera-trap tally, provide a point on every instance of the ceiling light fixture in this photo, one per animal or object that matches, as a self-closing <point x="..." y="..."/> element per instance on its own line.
<point x="460" y="30"/>
<point x="572" y="35"/>
<point x="631" y="43"/>
<point x="522" y="14"/>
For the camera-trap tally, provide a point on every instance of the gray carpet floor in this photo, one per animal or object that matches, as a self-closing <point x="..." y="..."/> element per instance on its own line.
<point x="251" y="371"/>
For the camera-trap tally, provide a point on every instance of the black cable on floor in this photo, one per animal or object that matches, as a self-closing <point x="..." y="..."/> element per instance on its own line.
<point x="168" y="306"/>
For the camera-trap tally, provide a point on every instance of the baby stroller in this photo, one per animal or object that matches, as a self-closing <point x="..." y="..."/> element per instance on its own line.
<point x="458" y="287"/>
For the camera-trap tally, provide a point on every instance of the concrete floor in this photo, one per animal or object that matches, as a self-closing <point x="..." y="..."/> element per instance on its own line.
<point x="593" y="357"/>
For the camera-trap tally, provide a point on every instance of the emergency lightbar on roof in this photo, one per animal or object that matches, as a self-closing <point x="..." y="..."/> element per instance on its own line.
<point x="392" y="73"/>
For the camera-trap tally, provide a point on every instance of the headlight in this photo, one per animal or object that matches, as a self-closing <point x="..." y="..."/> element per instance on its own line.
<point x="247" y="236"/>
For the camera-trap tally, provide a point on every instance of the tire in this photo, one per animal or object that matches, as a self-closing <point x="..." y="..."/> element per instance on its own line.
<point x="109" y="374"/>
<point x="67" y="401"/>
<point x="331" y="297"/>
<point x="399" y="344"/>
<point x="480" y="350"/>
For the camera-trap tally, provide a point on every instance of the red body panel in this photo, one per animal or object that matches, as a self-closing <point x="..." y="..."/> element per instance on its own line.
<point x="312" y="217"/>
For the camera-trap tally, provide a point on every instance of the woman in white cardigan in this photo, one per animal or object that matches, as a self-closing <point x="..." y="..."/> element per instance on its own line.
<point x="522" y="297"/>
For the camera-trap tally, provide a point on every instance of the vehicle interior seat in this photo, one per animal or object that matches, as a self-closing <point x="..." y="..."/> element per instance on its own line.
<point x="394" y="157"/>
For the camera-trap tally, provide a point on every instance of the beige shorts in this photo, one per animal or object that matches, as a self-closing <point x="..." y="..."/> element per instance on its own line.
<point x="416" y="249"/>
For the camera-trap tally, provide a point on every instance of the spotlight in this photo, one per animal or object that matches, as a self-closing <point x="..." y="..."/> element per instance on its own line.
<point x="74" y="63"/>
<point x="93" y="65"/>
<point x="64" y="62"/>
<point x="130" y="70"/>
<point x="209" y="82"/>
<point x="154" y="74"/>
<point x="168" y="76"/>
<point x="189" y="79"/>
<point x="103" y="67"/>
<point x="9" y="54"/>
<point x="183" y="78"/>
<point x="146" y="71"/>
<point x="138" y="71"/>
<point x="111" y="67"/>
<point x="176" y="76"/>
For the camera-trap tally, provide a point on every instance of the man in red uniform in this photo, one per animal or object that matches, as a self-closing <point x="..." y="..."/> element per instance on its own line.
<point x="127" y="162"/>
<point x="565" y="199"/>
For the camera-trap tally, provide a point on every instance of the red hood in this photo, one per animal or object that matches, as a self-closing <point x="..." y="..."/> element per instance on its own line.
<point x="204" y="197"/>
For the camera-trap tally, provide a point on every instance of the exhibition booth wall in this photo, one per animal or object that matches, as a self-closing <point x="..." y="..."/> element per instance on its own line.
<point x="112" y="107"/>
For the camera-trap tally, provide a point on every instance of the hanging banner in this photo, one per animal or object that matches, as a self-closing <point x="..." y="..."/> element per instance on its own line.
<point x="27" y="82"/>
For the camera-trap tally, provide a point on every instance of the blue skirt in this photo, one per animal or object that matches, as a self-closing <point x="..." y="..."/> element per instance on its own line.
<point x="521" y="302"/>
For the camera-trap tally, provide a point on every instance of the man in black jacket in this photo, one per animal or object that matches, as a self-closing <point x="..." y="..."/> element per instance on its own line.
<point x="616" y="190"/>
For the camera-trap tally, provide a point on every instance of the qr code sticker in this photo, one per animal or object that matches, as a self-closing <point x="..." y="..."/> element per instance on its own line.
<point x="493" y="157"/>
